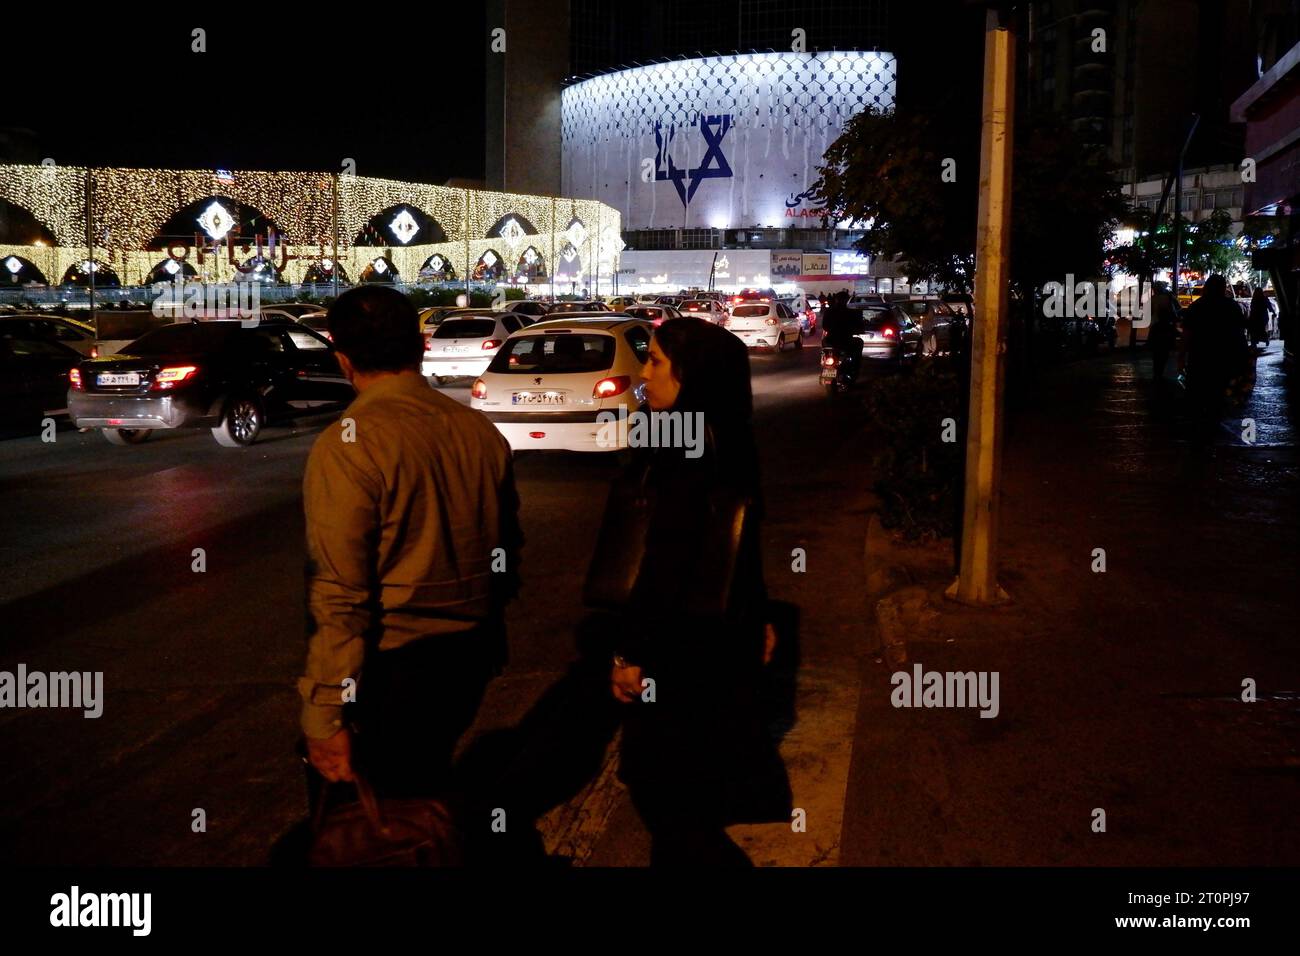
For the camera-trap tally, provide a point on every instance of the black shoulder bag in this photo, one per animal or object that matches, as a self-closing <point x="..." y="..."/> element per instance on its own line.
<point x="621" y="547"/>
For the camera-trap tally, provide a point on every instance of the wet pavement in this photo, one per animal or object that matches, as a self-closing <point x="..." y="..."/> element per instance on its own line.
<point x="1121" y="682"/>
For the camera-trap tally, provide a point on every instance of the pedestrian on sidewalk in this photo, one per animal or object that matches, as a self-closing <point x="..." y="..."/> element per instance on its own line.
<point x="688" y="660"/>
<point x="1262" y="311"/>
<point x="1164" y="329"/>
<point x="408" y="499"/>
<point x="1215" y="344"/>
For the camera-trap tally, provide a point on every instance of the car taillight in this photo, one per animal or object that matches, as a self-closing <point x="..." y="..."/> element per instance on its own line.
<point x="479" y="389"/>
<point x="491" y="344"/>
<point x="173" y="375"/>
<point x="609" y="387"/>
<point x="74" y="377"/>
<point x="772" y="321"/>
<point x="829" y="360"/>
<point x="428" y="343"/>
<point x="887" y="332"/>
<point x="94" y="351"/>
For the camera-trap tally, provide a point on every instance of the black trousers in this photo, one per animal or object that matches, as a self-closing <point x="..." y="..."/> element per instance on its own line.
<point x="413" y="705"/>
<point x="1159" y="360"/>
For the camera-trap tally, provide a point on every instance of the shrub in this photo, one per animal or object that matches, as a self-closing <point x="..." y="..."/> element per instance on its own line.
<point x="918" y="474"/>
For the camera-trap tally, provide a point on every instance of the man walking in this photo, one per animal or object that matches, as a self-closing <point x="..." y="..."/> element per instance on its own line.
<point x="1214" y="341"/>
<point x="413" y="547"/>
<point x="1163" y="334"/>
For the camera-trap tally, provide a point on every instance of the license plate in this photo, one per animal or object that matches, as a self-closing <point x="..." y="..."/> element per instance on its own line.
<point x="456" y="348"/>
<point x="118" y="378"/>
<point x="537" y="398"/>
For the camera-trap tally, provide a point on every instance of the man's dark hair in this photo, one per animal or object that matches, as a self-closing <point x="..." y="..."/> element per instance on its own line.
<point x="1216" y="286"/>
<point x="377" y="328"/>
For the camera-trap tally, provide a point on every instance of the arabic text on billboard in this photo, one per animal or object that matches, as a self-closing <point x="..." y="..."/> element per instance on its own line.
<point x="786" y="264"/>
<point x="850" y="264"/>
<point x="816" y="264"/>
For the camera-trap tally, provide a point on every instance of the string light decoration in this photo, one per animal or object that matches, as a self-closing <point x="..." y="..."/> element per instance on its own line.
<point x="130" y="206"/>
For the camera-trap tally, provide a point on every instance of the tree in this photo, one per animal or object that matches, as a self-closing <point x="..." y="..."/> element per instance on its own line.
<point x="1208" y="246"/>
<point x="887" y="172"/>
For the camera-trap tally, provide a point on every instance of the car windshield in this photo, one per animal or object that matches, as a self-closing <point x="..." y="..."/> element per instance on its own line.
<point x="555" y="353"/>
<point x="186" y="337"/>
<point x="750" y="311"/>
<point x="465" y="329"/>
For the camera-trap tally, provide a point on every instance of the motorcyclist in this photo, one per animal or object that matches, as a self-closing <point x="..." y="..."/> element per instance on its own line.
<point x="840" y="326"/>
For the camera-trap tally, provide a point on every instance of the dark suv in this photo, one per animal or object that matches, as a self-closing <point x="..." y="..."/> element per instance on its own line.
<point x="228" y="376"/>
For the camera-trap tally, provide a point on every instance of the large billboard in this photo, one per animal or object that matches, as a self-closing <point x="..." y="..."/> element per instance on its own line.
<point x="719" y="142"/>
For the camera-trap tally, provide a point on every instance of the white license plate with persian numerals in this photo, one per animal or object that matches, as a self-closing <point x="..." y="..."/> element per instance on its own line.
<point x="118" y="378"/>
<point x="537" y="398"/>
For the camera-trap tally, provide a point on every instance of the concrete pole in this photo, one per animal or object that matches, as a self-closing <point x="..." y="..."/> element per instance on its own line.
<point x="977" y="575"/>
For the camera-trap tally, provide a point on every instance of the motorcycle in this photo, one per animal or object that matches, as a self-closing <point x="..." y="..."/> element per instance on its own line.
<point x="839" y="368"/>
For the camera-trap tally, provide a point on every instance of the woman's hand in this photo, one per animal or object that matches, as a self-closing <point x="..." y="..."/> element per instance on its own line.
<point x="625" y="682"/>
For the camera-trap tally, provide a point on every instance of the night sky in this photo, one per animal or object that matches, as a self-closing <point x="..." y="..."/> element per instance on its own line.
<point x="402" y="95"/>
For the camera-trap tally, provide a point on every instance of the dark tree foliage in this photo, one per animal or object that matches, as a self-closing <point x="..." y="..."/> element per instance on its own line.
<point x="887" y="171"/>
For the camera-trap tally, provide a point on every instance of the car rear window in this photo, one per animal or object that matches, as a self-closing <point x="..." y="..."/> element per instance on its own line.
<point x="465" y="329"/>
<point x="696" y="306"/>
<point x="184" y="337"/>
<point x="645" y="312"/>
<point x="750" y="311"/>
<point x="555" y="353"/>
<point x="305" y="340"/>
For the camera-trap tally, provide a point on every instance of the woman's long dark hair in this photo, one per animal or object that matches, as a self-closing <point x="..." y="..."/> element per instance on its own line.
<point x="712" y="366"/>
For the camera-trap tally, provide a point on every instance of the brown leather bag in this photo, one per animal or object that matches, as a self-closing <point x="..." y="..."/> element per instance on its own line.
<point x="384" y="832"/>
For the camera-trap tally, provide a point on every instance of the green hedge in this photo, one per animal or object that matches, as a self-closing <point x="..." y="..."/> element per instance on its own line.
<point x="918" y="474"/>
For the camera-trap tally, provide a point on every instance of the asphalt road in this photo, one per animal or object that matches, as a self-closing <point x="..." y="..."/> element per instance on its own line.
<point x="192" y="760"/>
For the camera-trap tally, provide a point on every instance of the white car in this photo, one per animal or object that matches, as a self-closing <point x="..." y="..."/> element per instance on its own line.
<point x="550" y="381"/>
<point x="529" y="307"/>
<point x="464" y="344"/>
<point x="764" y="325"/>
<point x="711" y="310"/>
<point x="656" y="315"/>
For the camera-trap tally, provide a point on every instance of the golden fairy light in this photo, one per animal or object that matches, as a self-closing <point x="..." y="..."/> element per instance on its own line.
<point x="129" y="208"/>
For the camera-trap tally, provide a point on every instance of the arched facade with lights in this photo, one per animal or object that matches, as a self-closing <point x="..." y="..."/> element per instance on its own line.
<point x="316" y="217"/>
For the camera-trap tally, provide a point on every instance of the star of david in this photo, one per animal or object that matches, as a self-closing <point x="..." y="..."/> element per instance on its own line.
<point x="713" y="165"/>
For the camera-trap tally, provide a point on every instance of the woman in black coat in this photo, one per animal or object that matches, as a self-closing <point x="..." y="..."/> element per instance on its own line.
<point x="696" y="756"/>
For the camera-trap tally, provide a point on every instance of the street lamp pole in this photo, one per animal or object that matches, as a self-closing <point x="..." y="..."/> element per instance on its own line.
<point x="977" y="574"/>
<point x="1178" y="202"/>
